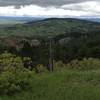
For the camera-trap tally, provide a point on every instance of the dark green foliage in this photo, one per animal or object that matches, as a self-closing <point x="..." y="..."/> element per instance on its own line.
<point x="78" y="47"/>
<point x="72" y="39"/>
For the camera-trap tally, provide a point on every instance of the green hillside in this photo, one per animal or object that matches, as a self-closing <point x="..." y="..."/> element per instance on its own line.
<point x="63" y="85"/>
<point x="53" y="26"/>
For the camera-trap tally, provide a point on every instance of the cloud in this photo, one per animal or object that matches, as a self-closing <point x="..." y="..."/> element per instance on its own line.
<point x="39" y="2"/>
<point x="88" y="8"/>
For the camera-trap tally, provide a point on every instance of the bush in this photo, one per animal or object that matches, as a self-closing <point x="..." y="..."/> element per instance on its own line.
<point x="58" y="65"/>
<point x="13" y="76"/>
<point x="85" y="64"/>
<point x="40" y="68"/>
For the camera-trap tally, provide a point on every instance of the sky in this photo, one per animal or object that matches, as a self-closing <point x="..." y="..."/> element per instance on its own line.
<point x="50" y="8"/>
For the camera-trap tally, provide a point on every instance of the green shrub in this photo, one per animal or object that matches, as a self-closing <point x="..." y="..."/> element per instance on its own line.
<point x="85" y="64"/>
<point x="58" y="65"/>
<point x="40" y="68"/>
<point x="13" y="76"/>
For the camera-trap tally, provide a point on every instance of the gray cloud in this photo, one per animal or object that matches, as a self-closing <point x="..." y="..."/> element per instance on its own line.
<point x="40" y="2"/>
<point x="89" y="8"/>
<point x="52" y="8"/>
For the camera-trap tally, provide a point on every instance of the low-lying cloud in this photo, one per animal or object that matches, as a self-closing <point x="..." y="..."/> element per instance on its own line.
<point x="89" y="8"/>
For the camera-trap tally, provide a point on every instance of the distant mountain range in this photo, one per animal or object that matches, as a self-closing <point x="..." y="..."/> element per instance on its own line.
<point x="11" y="20"/>
<point x="94" y="19"/>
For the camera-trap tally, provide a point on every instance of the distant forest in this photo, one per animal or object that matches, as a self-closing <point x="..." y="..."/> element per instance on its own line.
<point x="72" y="39"/>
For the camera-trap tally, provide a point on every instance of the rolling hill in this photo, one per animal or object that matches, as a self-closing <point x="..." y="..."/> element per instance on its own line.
<point x="50" y="27"/>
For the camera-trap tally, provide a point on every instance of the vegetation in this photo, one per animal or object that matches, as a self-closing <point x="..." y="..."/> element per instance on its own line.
<point x="85" y="64"/>
<point x="13" y="76"/>
<point x="72" y="39"/>
<point x="50" y="27"/>
<point x="71" y="84"/>
<point x="24" y="71"/>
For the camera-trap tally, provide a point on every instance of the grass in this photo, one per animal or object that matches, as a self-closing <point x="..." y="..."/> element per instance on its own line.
<point x="62" y="85"/>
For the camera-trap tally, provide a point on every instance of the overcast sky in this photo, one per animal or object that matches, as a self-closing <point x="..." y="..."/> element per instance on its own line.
<point x="50" y="8"/>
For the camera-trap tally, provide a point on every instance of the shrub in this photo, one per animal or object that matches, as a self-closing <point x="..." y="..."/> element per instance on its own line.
<point x="13" y="76"/>
<point x="85" y="64"/>
<point x="58" y="65"/>
<point x="27" y="63"/>
<point x="40" y="68"/>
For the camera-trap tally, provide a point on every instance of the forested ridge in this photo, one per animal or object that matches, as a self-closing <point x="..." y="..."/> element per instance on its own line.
<point x="52" y="26"/>
<point x="72" y="39"/>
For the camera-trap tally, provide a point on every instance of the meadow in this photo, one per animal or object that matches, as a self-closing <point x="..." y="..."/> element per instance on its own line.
<point x="65" y="84"/>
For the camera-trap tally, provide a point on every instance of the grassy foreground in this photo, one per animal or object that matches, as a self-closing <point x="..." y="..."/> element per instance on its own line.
<point x="62" y="85"/>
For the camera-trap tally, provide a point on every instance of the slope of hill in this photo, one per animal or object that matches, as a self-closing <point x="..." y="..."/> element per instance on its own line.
<point x="52" y="26"/>
<point x="62" y="85"/>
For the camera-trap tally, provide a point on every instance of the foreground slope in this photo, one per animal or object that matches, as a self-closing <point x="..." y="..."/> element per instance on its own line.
<point x="63" y="85"/>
